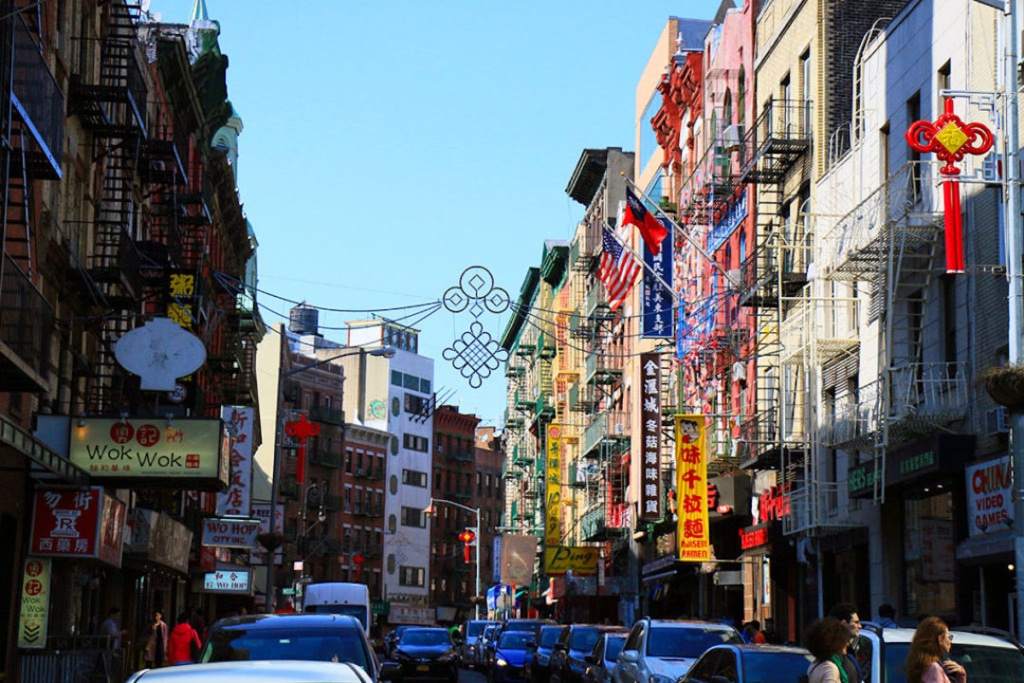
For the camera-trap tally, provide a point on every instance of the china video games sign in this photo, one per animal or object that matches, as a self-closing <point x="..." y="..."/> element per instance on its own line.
<point x="78" y="524"/>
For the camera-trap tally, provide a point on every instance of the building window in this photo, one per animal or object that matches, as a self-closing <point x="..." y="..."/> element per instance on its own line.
<point x="648" y="139"/>
<point x="412" y="442"/>
<point x="929" y="574"/>
<point x="414" y="478"/>
<point x="417" y="405"/>
<point x="410" y="576"/>
<point x="396" y="378"/>
<point x="413" y="517"/>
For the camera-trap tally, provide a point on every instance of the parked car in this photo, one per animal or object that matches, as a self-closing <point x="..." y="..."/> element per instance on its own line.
<point x="569" y="658"/>
<point x="254" y="672"/>
<point x="307" y="637"/>
<point x="537" y="665"/>
<point x="427" y="653"/>
<point x="471" y="631"/>
<point x="531" y="625"/>
<point x="392" y="638"/>
<point x="509" y="653"/>
<point x="989" y="655"/>
<point x="485" y="645"/>
<point x="662" y="650"/>
<point x="749" y="664"/>
<point x="602" y="659"/>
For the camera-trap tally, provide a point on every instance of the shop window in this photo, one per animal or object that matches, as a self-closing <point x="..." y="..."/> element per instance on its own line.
<point x="928" y="552"/>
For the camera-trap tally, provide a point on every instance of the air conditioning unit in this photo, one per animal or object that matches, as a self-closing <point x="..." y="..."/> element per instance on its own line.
<point x="996" y="422"/>
<point x="732" y="137"/>
<point x="620" y="429"/>
<point x="734" y="280"/>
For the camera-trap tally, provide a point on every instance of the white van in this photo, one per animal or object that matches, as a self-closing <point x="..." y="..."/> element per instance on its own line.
<point x="339" y="598"/>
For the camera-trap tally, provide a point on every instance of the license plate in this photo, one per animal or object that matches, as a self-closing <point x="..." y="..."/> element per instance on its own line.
<point x="423" y="667"/>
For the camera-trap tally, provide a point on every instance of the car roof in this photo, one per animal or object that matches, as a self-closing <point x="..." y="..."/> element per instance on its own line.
<point x="256" y="671"/>
<point x="761" y="647"/>
<point x="690" y="623"/>
<point x="964" y="636"/>
<point x="253" y="622"/>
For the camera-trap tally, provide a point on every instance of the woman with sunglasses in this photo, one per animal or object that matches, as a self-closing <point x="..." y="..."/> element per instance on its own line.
<point x="928" y="659"/>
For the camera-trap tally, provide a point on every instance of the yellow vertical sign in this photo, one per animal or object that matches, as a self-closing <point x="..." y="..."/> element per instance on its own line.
<point x="553" y="483"/>
<point x="35" y="599"/>
<point x="692" y="488"/>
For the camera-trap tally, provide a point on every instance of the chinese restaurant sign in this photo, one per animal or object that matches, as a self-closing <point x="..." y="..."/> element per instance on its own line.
<point x="581" y="560"/>
<point x="692" y="488"/>
<point x="234" y="580"/>
<point x="79" y="524"/>
<point x="35" y="603"/>
<point x="230" y="533"/>
<point x="235" y="501"/>
<point x="553" y="485"/>
<point x="650" y="436"/>
<point x="151" y="449"/>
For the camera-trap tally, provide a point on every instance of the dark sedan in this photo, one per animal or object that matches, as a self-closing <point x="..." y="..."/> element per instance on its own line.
<point x="749" y="664"/>
<point x="427" y="654"/>
<point x="569" y="659"/>
<point x="538" y="659"/>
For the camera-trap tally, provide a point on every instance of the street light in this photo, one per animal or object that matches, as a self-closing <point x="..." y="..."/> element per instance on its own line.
<point x="380" y="351"/>
<point x="476" y="513"/>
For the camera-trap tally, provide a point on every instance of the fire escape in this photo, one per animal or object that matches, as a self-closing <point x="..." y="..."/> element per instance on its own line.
<point x="112" y="106"/>
<point x="31" y="140"/>
<point x="890" y="240"/>
<point x="774" y="150"/>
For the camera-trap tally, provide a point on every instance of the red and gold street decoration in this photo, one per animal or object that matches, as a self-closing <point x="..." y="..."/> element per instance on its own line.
<point x="301" y="429"/>
<point x="358" y="560"/>
<point x="950" y="138"/>
<point x="467" y="537"/>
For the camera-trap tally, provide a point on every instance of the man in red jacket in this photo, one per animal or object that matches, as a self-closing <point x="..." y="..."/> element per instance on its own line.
<point x="183" y="642"/>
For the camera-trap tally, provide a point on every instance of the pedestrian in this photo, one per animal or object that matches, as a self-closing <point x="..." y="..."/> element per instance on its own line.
<point x="928" y="659"/>
<point x="827" y="640"/>
<point x="771" y="636"/>
<point x="156" y="642"/>
<point x="111" y="627"/>
<point x="183" y="644"/>
<point x="886" y="616"/>
<point x="752" y="633"/>
<point x="846" y="613"/>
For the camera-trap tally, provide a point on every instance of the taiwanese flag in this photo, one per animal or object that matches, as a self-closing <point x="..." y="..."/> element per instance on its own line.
<point x="651" y="229"/>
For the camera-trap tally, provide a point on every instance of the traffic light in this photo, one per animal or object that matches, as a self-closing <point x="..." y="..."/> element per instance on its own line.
<point x="467" y="537"/>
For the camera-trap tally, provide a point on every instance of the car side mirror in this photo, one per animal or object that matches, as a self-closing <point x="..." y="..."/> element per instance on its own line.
<point x="390" y="671"/>
<point x="629" y="656"/>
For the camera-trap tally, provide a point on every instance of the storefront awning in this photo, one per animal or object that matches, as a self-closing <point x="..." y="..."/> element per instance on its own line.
<point x="982" y="548"/>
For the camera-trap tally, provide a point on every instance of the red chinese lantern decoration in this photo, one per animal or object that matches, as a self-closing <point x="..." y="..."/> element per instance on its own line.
<point x="950" y="138"/>
<point x="467" y="537"/>
<point x="301" y="429"/>
<point x="358" y="560"/>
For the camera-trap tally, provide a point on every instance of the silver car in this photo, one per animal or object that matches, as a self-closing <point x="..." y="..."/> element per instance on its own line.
<point x="662" y="650"/>
<point x="256" y="671"/>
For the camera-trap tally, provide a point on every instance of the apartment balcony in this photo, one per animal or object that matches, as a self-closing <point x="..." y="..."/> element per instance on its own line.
<point x="26" y="325"/>
<point x="581" y="399"/>
<point x="593" y="527"/>
<point x="164" y="156"/>
<point x="546" y="346"/>
<point x="597" y="306"/>
<point x="711" y="190"/>
<point x="580" y="326"/>
<point x="819" y="508"/>
<point x="513" y="420"/>
<point x="327" y="415"/>
<point x="608" y="425"/>
<point x="585" y="251"/>
<point x="368" y="473"/>
<point x="777" y="141"/>
<point x="367" y="511"/>
<point x="38" y="106"/>
<point x="820" y="331"/>
<point x="603" y="368"/>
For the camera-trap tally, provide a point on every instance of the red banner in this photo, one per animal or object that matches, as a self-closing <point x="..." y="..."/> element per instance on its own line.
<point x="80" y="524"/>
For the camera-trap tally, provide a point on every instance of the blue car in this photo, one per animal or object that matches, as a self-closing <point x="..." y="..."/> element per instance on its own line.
<point x="509" y="653"/>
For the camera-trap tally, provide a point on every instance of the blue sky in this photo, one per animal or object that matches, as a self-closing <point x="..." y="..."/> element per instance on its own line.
<point x="389" y="146"/>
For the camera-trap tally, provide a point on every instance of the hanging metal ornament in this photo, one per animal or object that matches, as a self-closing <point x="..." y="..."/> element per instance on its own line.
<point x="476" y="353"/>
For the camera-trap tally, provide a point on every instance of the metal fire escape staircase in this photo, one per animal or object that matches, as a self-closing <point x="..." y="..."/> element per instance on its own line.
<point x="890" y="240"/>
<point x="113" y="108"/>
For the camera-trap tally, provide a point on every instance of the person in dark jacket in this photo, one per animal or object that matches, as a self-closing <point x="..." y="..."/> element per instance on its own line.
<point x="182" y="642"/>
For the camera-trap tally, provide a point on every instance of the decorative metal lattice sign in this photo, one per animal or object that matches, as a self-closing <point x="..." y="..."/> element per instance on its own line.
<point x="475" y="353"/>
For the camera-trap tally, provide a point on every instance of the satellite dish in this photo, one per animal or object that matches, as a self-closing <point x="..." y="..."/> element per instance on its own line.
<point x="160" y="352"/>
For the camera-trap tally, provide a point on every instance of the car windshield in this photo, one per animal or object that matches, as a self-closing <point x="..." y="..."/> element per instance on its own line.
<point x="357" y="611"/>
<point x="774" y="666"/>
<point x="549" y="636"/>
<point x="474" y="628"/>
<point x="584" y="639"/>
<point x="425" y="637"/>
<point x="689" y="641"/>
<point x="515" y="640"/>
<point x="983" y="664"/>
<point x="489" y="631"/>
<point x="612" y="648"/>
<point x="325" y="645"/>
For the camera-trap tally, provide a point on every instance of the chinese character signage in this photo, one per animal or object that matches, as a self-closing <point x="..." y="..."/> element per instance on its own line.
<point x="80" y="524"/>
<point x="692" y="488"/>
<point x="553" y="483"/>
<point x="650" y="436"/>
<point x="581" y="560"/>
<point x="235" y="501"/>
<point x="657" y="293"/>
<point x="234" y="580"/>
<point x="151" y="449"/>
<point x="35" y="603"/>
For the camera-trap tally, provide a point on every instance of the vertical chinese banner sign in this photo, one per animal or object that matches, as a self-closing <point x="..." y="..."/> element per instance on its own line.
<point x="236" y="500"/>
<point x="35" y="603"/>
<point x="553" y="477"/>
<point x="650" y="436"/>
<point x="692" y="488"/>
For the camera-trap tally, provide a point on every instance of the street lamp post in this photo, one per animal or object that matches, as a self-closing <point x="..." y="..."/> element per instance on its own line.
<point x="476" y="515"/>
<point x="381" y="351"/>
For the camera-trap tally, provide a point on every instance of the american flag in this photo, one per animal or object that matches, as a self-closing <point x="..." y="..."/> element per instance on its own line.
<point x="618" y="270"/>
